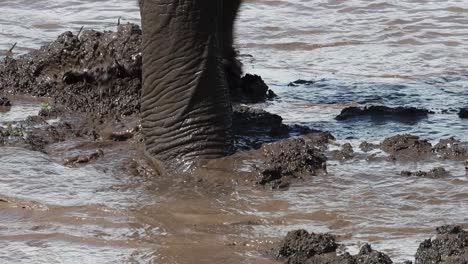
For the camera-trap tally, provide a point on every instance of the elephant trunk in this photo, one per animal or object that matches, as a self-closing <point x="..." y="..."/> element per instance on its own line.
<point x="185" y="105"/>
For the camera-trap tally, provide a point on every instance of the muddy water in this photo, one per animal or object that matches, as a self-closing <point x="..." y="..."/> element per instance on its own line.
<point x="353" y="52"/>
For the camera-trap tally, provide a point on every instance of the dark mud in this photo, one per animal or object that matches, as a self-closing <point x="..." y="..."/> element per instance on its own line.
<point x="379" y="113"/>
<point x="252" y="89"/>
<point x="290" y="159"/>
<point x="253" y="127"/>
<point x="463" y="113"/>
<point x="300" y="247"/>
<point x="407" y="147"/>
<point x="346" y="152"/>
<point x="4" y="102"/>
<point x="450" y="246"/>
<point x="366" y="146"/>
<point x="92" y="72"/>
<point x="438" y="172"/>
<point x="96" y="72"/>
<point x="452" y="149"/>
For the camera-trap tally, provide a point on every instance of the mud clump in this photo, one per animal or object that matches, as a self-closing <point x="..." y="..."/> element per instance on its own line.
<point x="300" y="247"/>
<point x="452" y="149"/>
<point x="438" y="172"/>
<point x="345" y="153"/>
<point x="449" y="247"/>
<point x="291" y="158"/>
<point x="407" y="147"/>
<point x="252" y="89"/>
<point x="81" y="159"/>
<point x="34" y="134"/>
<point x="463" y="113"/>
<point x="402" y="114"/>
<point x="366" y="146"/>
<point x="253" y="127"/>
<point x="4" y="102"/>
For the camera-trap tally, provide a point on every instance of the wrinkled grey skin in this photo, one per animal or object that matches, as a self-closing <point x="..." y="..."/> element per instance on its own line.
<point x="187" y="55"/>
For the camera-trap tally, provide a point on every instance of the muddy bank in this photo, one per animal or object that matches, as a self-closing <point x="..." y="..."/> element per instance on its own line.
<point x="93" y="72"/>
<point x="96" y="72"/>
<point x="300" y="247"/>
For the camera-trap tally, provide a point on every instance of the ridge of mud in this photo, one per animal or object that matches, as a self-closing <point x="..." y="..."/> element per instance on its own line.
<point x="438" y="172"/>
<point x="380" y="112"/>
<point x="301" y="247"/>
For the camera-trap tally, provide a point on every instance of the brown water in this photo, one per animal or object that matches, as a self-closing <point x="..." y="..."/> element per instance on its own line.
<point x="356" y="52"/>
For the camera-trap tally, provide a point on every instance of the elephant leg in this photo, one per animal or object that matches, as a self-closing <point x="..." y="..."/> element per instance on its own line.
<point x="185" y="105"/>
<point x="232" y="65"/>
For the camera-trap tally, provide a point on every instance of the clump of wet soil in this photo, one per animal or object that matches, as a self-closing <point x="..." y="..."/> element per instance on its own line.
<point x="449" y="247"/>
<point x="451" y="148"/>
<point x="438" y="172"/>
<point x="252" y="89"/>
<point x="253" y="127"/>
<point x="291" y="158"/>
<point x="402" y="114"/>
<point x="301" y="247"/>
<point x="407" y="147"/>
<point x="93" y="72"/>
<point x="366" y="146"/>
<point x="4" y="102"/>
<point x="346" y="152"/>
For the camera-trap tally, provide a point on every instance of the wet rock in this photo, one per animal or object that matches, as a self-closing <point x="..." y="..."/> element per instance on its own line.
<point x="300" y="247"/>
<point x="345" y="153"/>
<point x="366" y="146"/>
<point x="80" y="159"/>
<point x="402" y="114"/>
<point x="463" y="113"/>
<point x="96" y="72"/>
<point x="4" y="102"/>
<point x="449" y="247"/>
<point x="290" y="158"/>
<point x="407" y="147"/>
<point x="438" y="172"/>
<point x="451" y="148"/>
<point x="252" y="90"/>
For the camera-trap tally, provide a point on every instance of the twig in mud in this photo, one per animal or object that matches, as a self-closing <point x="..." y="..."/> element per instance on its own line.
<point x="11" y="50"/>
<point x="79" y="32"/>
